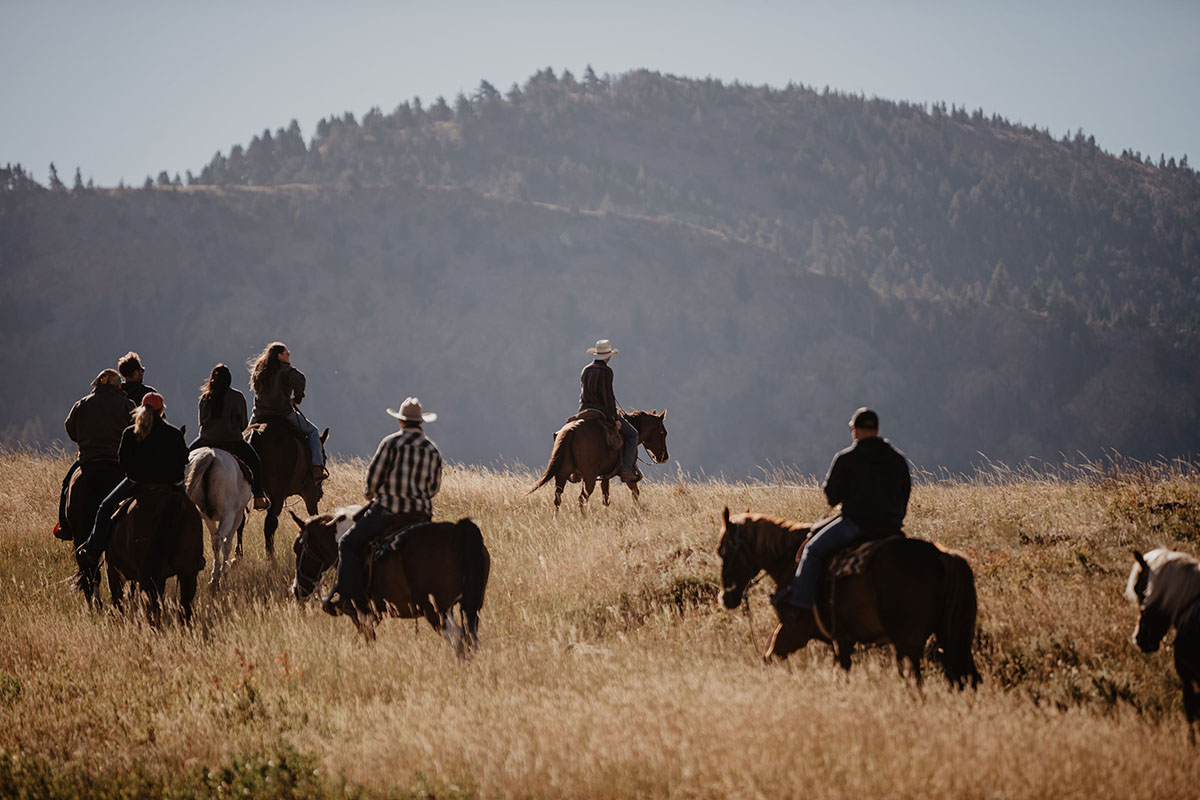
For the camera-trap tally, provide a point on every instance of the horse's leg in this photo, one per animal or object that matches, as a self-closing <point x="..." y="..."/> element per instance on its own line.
<point x="559" y="483"/>
<point x="187" y="593"/>
<point x="270" y="524"/>
<point x="589" y="485"/>
<point x="844" y="649"/>
<point x="452" y="633"/>
<point x="604" y="489"/>
<point x="153" y="601"/>
<point x="116" y="585"/>
<point x="471" y="626"/>
<point x="237" y="554"/>
<point x="215" y="529"/>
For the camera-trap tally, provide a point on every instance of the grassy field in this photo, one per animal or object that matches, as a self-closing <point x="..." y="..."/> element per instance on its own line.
<point x="607" y="668"/>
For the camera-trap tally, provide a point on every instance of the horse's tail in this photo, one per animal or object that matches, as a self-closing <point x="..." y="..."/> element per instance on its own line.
<point x="198" y="482"/>
<point x="956" y="632"/>
<point x="476" y="565"/>
<point x="557" y="456"/>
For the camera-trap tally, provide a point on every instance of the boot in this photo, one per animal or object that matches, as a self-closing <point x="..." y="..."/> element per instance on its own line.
<point x="261" y="503"/>
<point x="631" y="475"/>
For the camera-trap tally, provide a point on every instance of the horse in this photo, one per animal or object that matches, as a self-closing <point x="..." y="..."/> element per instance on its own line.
<point x="438" y="565"/>
<point x="286" y="470"/>
<point x="582" y="449"/>
<point x="157" y="535"/>
<point x="908" y="590"/>
<point x="88" y="487"/>
<point x="216" y="484"/>
<point x="1165" y="586"/>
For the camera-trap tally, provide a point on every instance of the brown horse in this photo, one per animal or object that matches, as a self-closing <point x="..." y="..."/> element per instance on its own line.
<point x="908" y="591"/>
<point x="438" y="565"/>
<point x="286" y="471"/>
<point x="90" y="484"/>
<point x="582" y="449"/>
<point x="158" y="535"/>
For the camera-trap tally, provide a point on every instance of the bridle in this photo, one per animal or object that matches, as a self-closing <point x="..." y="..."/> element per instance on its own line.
<point x="304" y="550"/>
<point x="739" y="545"/>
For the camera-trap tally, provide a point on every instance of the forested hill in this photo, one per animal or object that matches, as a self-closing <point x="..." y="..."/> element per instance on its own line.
<point x="915" y="203"/>
<point x="766" y="260"/>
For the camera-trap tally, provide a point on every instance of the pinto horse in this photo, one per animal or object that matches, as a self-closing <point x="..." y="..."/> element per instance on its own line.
<point x="286" y="471"/>
<point x="908" y="591"/>
<point x="438" y="565"/>
<point x="215" y="483"/>
<point x="1165" y="586"/>
<point x="582" y="449"/>
<point x="157" y="535"/>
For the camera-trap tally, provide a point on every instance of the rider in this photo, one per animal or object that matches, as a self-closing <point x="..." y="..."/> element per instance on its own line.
<point x="596" y="392"/>
<point x="870" y="478"/>
<point x="222" y="415"/>
<point x="95" y="424"/>
<point x="131" y="369"/>
<point x="152" y="451"/>
<point x="402" y="478"/>
<point x="278" y="391"/>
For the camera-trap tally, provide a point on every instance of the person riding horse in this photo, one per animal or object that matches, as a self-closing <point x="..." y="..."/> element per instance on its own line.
<point x="95" y="423"/>
<point x="278" y="391"/>
<point x="596" y="392"/>
<point x="872" y="482"/>
<point x="222" y="416"/>
<point x="152" y="452"/>
<point x="131" y="369"/>
<point x="402" y="478"/>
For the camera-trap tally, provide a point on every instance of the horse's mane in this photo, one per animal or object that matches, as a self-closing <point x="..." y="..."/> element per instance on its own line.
<point x="1173" y="583"/>
<point x="768" y="534"/>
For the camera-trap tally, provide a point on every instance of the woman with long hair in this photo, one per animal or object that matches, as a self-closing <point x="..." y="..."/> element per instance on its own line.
<point x="152" y="451"/>
<point x="222" y="416"/>
<point x="278" y="391"/>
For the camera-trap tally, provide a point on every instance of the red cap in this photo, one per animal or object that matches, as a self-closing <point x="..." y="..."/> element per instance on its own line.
<point x="153" y="400"/>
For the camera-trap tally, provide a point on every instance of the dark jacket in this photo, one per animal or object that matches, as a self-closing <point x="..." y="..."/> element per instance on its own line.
<point x="225" y="424"/>
<point x="596" y="389"/>
<point x="275" y="399"/>
<point x="136" y="390"/>
<point x="159" y="458"/>
<point x="96" y="422"/>
<point x="870" y="479"/>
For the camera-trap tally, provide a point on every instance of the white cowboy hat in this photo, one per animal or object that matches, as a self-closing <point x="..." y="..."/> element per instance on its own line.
<point x="410" y="411"/>
<point x="603" y="349"/>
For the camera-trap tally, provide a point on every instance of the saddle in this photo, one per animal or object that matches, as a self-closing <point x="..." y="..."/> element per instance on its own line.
<point x="849" y="562"/>
<point x="257" y="429"/>
<point x="611" y="428"/>
<point x="144" y="492"/>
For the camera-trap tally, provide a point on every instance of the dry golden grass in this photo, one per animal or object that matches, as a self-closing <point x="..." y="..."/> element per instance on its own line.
<point x="607" y="668"/>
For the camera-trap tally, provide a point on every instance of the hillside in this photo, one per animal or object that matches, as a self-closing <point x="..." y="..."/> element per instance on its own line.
<point x="766" y="260"/>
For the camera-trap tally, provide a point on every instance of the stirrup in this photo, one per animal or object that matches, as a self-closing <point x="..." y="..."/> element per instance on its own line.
<point x="261" y="504"/>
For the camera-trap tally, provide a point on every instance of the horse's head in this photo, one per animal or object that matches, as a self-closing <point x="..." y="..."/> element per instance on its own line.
<point x="1145" y="590"/>
<point x="738" y="566"/>
<point x="316" y="548"/>
<point x="652" y="433"/>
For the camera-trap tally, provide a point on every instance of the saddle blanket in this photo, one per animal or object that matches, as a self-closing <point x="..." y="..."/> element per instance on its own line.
<point x="612" y="430"/>
<point x="853" y="560"/>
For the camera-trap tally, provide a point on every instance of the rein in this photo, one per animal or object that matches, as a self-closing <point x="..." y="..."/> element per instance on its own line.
<point x="306" y="550"/>
<point x="739" y="544"/>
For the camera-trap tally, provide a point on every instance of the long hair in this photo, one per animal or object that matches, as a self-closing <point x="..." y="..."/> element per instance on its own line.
<point x="143" y="421"/>
<point x="214" y="389"/>
<point x="264" y="366"/>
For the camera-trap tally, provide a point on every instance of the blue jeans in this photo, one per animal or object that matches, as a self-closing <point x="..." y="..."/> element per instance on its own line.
<point x="827" y="541"/>
<point x="301" y="423"/>
<point x="352" y="548"/>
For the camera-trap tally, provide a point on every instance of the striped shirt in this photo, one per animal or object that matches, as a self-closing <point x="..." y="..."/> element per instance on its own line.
<point x="596" y="388"/>
<point x="405" y="473"/>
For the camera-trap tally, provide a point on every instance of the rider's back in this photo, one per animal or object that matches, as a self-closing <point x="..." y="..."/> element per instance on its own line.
<point x="97" y="421"/>
<point x="871" y="481"/>
<point x="273" y="399"/>
<point x="224" y="424"/>
<point x="159" y="458"/>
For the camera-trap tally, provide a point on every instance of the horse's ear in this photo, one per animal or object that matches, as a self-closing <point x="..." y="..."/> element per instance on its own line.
<point x="299" y="522"/>
<point x="664" y="414"/>
<point x="725" y="515"/>
<point x="324" y="436"/>
<point x="654" y="412"/>
<point x="1140" y="560"/>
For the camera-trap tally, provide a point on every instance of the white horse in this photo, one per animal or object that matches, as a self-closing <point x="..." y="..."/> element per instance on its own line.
<point x="215" y="483"/>
<point x="1165" y="586"/>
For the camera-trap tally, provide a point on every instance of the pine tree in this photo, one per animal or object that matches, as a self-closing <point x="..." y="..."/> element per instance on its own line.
<point x="56" y="184"/>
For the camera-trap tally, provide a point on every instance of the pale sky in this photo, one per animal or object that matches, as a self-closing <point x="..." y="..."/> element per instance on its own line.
<point x="125" y="89"/>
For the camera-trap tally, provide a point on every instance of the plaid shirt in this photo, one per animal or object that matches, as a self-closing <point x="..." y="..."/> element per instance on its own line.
<point x="596" y="388"/>
<point x="405" y="473"/>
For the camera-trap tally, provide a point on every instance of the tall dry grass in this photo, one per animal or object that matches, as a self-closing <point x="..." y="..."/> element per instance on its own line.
<point x="607" y="668"/>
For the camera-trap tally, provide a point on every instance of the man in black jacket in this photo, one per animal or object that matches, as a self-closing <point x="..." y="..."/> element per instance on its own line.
<point x="596" y="392"/>
<point x="132" y="371"/>
<point x="871" y="481"/>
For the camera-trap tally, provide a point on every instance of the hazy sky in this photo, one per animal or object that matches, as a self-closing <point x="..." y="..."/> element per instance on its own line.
<point x="126" y="89"/>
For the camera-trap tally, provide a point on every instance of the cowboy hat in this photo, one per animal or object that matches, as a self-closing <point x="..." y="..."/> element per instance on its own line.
<point x="603" y="349"/>
<point x="410" y="411"/>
